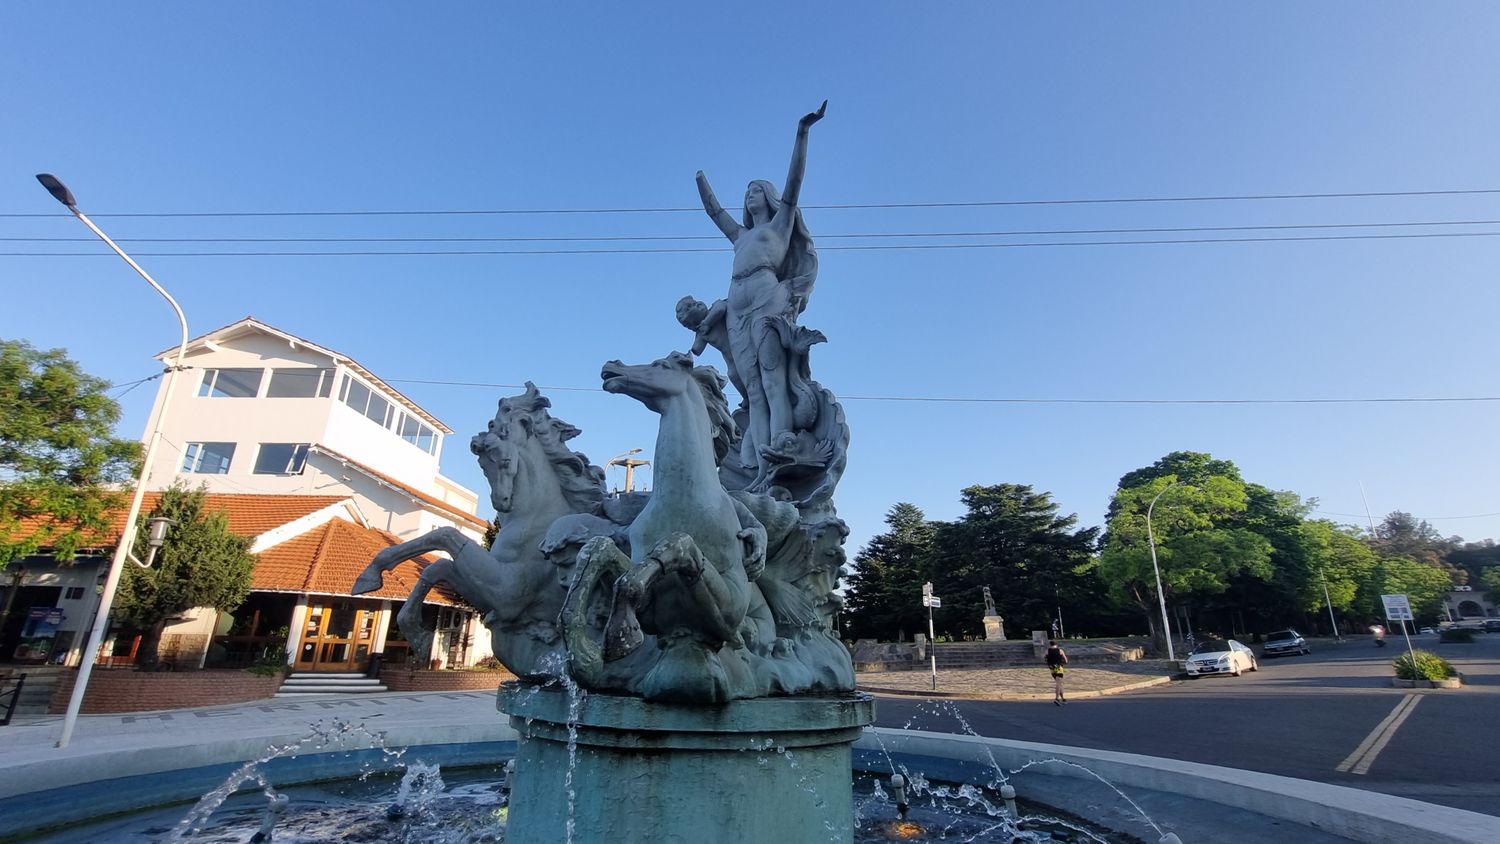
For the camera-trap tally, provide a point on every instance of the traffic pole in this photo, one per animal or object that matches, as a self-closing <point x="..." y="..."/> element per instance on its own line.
<point x="931" y="646"/>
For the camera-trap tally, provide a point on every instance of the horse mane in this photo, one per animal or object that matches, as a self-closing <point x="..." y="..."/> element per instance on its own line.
<point x="711" y="385"/>
<point x="582" y="484"/>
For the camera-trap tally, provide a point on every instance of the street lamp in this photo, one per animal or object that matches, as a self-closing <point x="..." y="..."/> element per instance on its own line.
<point x="624" y="460"/>
<point x="1161" y="596"/>
<point x="61" y="193"/>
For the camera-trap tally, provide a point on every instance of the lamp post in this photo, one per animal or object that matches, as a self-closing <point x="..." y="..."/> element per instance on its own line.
<point x="1331" y="620"/>
<point x="630" y="465"/>
<point x="1161" y="596"/>
<point x="61" y="193"/>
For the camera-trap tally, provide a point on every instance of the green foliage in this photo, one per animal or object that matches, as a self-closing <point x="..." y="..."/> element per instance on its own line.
<point x="1013" y="540"/>
<point x="1423" y="583"/>
<point x="885" y="586"/>
<point x="491" y="531"/>
<point x="1490" y="580"/>
<point x="57" y="455"/>
<point x="489" y="663"/>
<point x="270" y="666"/>
<point x="1428" y="666"/>
<point x="1341" y="558"/>
<point x="1205" y="543"/>
<point x="1456" y="635"/>
<point x="202" y="564"/>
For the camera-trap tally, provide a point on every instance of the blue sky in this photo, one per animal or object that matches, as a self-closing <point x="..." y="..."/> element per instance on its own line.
<point x="184" y="107"/>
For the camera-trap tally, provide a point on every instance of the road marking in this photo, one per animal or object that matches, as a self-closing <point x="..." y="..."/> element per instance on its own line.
<point x="1363" y="757"/>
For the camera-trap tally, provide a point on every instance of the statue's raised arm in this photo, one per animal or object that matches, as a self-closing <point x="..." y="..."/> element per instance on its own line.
<point x="723" y="219"/>
<point x="793" y="186"/>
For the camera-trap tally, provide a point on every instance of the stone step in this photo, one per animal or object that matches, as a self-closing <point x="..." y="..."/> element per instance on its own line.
<point x="310" y="690"/>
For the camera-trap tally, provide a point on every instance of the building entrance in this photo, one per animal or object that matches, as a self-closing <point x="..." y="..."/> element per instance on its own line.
<point x="337" y="636"/>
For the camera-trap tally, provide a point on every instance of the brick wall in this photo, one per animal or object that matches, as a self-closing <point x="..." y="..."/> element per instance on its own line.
<point x="398" y="678"/>
<point x="123" y="690"/>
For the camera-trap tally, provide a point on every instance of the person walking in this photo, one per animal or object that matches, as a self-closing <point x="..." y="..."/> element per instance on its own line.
<point x="1057" y="659"/>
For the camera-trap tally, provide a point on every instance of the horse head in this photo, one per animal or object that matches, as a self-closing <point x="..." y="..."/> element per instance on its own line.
<point x="501" y="460"/>
<point x="655" y="384"/>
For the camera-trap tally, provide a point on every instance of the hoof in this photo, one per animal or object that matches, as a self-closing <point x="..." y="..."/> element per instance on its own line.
<point x="367" y="582"/>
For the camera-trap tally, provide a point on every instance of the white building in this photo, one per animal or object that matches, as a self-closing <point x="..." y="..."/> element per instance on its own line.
<point x="323" y="464"/>
<point x="264" y="411"/>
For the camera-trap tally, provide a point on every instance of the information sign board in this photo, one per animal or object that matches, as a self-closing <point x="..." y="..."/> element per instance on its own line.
<point x="1397" y="607"/>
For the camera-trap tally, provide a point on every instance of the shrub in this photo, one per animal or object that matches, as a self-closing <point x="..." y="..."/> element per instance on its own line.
<point x="1429" y="666"/>
<point x="1456" y="634"/>
<point x="269" y="666"/>
<point x="489" y="663"/>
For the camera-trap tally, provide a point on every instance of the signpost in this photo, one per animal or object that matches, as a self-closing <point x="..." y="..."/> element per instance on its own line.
<point x="1398" y="608"/>
<point x="929" y="601"/>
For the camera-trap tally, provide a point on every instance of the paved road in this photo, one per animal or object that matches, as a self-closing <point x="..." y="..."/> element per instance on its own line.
<point x="1326" y="717"/>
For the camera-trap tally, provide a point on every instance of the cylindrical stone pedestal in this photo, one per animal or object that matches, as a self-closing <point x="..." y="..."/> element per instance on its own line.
<point x="769" y="769"/>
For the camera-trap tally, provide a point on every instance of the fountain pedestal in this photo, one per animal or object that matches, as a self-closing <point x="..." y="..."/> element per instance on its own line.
<point x="767" y="769"/>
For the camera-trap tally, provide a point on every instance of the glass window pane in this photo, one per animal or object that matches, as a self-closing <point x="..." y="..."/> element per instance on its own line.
<point x="208" y="458"/>
<point x="190" y="457"/>
<point x="235" y="383"/>
<point x="378" y="409"/>
<point x="357" y="396"/>
<point x="325" y="383"/>
<point x="299" y="383"/>
<point x="280" y="458"/>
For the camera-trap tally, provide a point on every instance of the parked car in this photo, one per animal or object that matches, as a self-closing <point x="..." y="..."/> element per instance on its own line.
<point x="1285" y="642"/>
<point x="1220" y="656"/>
<point x="1492" y="625"/>
<point x="1426" y="631"/>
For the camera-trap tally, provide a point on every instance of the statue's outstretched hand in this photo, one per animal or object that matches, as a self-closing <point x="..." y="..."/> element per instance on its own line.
<point x="809" y="119"/>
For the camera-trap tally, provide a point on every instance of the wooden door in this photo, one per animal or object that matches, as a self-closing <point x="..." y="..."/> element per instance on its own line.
<point x="337" y="636"/>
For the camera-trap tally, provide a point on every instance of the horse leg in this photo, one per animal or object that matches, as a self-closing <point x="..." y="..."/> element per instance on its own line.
<point x="446" y="539"/>
<point x="678" y="554"/>
<point x="600" y="561"/>
<point x="409" y="619"/>
<point x="623" y="634"/>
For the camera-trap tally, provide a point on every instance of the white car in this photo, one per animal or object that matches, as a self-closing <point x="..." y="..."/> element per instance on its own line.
<point x="1220" y="656"/>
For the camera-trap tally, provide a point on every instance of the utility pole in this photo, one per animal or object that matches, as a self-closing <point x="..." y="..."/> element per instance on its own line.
<point x="630" y="464"/>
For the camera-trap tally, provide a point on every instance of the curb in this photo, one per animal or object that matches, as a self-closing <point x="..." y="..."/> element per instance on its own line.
<point x="1082" y="695"/>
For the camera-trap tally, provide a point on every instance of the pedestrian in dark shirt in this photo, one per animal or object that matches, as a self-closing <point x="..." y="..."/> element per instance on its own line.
<point x="1056" y="661"/>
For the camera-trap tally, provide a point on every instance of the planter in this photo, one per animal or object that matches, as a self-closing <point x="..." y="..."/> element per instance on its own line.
<point x="124" y="690"/>
<point x="398" y="678"/>
<point x="1448" y="683"/>
<point x="1404" y="684"/>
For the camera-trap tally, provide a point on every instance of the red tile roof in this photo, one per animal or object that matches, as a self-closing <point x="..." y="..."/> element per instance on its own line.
<point x="327" y="559"/>
<point x="473" y="520"/>
<point x="249" y="515"/>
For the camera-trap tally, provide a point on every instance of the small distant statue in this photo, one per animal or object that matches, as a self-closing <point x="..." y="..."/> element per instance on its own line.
<point x="989" y="603"/>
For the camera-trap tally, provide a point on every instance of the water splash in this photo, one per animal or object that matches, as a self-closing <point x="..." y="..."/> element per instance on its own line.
<point x="337" y="734"/>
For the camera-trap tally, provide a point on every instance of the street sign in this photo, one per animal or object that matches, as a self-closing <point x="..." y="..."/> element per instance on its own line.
<point x="1397" y="607"/>
<point x="927" y="589"/>
<point x="931" y="601"/>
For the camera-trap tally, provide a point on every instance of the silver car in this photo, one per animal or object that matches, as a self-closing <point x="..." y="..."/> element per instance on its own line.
<point x="1220" y="656"/>
<point x="1284" y="642"/>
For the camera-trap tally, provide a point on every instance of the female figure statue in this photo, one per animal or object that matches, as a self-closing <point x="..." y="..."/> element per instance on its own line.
<point x="775" y="267"/>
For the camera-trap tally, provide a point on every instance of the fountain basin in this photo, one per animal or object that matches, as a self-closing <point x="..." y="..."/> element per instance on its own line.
<point x="769" y="768"/>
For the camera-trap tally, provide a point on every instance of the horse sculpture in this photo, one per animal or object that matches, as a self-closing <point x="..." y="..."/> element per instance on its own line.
<point x="695" y="551"/>
<point x="535" y="480"/>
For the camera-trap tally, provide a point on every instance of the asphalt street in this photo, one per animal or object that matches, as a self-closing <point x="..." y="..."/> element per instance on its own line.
<point x="1331" y="716"/>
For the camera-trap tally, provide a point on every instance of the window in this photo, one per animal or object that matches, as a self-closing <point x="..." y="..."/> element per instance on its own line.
<point x="74" y="593"/>
<point x="230" y="383"/>
<point x="208" y="458"/>
<point x="364" y="401"/>
<point x="280" y="458"/>
<point x="303" y="382"/>
<point x="415" y="432"/>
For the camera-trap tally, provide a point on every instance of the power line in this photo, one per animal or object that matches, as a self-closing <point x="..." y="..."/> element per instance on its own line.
<point x="639" y="238"/>
<point x="968" y="400"/>
<point x="838" y="206"/>
<point x="720" y="250"/>
<point x="1422" y="518"/>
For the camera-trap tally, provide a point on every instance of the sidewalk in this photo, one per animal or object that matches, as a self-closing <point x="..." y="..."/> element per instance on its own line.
<point x="1026" y="683"/>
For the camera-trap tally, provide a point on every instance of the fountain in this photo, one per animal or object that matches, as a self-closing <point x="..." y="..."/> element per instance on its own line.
<point x="666" y="642"/>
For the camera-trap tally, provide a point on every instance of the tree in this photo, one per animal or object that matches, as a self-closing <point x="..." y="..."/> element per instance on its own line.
<point x="59" y="463"/>
<point x="1401" y="534"/>
<point x="1491" y="582"/>
<point x="1424" y="584"/>
<point x="1013" y="541"/>
<point x="202" y="564"/>
<point x="1341" y="560"/>
<point x="1203" y="541"/>
<point x="886" y="584"/>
